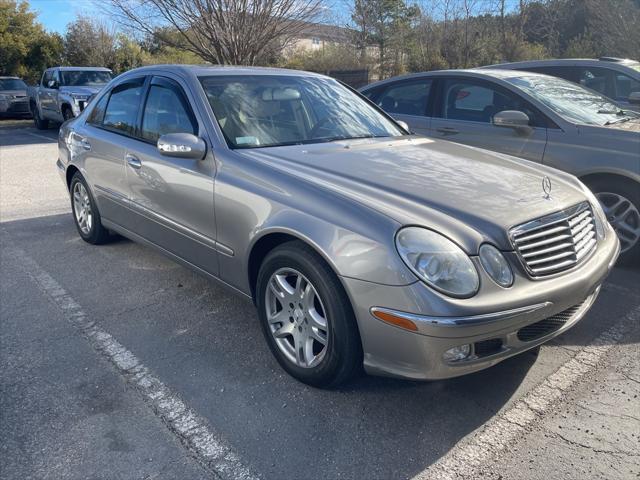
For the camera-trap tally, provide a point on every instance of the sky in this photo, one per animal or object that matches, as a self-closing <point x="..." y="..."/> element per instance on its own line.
<point x="55" y="14"/>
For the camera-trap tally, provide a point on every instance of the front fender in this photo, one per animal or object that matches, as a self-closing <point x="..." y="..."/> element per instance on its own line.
<point x="350" y="253"/>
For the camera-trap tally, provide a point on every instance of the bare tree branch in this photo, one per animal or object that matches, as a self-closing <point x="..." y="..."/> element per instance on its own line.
<point x="239" y="32"/>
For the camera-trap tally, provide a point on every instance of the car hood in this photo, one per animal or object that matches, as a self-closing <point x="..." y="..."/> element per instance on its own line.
<point x="470" y="194"/>
<point x="80" y="90"/>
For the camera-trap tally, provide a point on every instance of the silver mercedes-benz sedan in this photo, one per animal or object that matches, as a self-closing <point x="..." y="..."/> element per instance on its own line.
<point x="359" y="244"/>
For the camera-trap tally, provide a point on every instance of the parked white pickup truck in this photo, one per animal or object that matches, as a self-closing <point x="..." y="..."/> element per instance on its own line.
<point x="63" y="93"/>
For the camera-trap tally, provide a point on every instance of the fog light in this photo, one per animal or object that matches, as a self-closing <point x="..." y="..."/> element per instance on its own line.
<point x="457" y="353"/>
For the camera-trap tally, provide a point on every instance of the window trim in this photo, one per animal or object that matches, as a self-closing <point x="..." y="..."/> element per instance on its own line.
<point x="171" y="84"/>
<point x="438" y="110"/>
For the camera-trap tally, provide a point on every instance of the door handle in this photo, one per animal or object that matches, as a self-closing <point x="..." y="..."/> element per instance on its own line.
<point x="85" y="144"/>
<point x="447" y="130"/>
<point x="133" y="161"/>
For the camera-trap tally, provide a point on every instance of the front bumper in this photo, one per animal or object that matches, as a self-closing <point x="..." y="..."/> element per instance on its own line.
<point x="497" y="323"/>
<point x="15" y="108"/>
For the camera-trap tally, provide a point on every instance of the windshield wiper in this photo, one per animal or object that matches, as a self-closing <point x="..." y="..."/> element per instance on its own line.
<point x="612" y="112"/>
<point x="620" y="120"/>
<point x="368" y="135"/>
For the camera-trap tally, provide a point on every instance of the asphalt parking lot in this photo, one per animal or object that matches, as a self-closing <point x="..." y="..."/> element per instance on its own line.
<point x="116" y="362"/>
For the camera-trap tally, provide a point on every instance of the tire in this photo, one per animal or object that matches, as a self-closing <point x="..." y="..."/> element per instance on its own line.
<point x="39" y="122"/>
<point x="340" y="358"/>
<point x="67" y="113"/>
<point x="624" y="217"/>
<point x="91" y="230"/>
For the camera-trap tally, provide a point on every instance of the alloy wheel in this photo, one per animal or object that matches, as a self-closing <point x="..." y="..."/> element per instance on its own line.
<point x="297" y="317"/>
<point x="82" y="208"/>
<point x="623" y="216"/>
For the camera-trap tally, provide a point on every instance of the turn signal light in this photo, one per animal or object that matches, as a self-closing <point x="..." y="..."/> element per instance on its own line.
<point x="395" y="320"/>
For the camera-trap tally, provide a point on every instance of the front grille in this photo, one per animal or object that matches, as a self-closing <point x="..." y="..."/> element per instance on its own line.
<point x="556" y="242"/>
<point x="18" y="107"/>
<point x="548" y="325"/>
<point x="487" y="347"/>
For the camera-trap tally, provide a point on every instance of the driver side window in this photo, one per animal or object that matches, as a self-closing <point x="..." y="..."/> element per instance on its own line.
<point x="473" y="101"/>
<point x="166" y="111"/>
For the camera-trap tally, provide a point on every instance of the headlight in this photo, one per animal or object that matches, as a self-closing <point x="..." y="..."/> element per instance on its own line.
<point x="496" y="265"/>
<point x="437" y="261"/>
<point x="600" y="217"/>
<point x="4" y="97"/>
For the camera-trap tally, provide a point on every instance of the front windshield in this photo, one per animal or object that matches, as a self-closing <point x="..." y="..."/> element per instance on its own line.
<point x="12" y="84"/>
<point x="275" y="110"/>
<point x="570" y="100"/>
<point x="85" y="78"/>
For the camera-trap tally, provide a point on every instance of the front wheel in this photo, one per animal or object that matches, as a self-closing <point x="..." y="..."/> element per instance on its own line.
<point x="621" y="205"/>
<point x="306" y="317"/>
<point x="85" y="212"/>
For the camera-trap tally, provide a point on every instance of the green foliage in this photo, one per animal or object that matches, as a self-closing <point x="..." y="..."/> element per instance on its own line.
<point x="331" y="57"/>
<point x="581" y="46"/>
<point x="25" y="47"/>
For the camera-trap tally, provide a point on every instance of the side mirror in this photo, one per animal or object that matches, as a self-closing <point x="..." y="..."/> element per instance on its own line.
<point x="634" y="98"/>
<point x="52" y="84"/>
<point x="511" y="119"/>
<point x="182" y="145"/>
<point x="403" y="125"/>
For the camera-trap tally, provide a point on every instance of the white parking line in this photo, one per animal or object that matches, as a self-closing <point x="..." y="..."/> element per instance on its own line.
<point x="469" y="457"/>
<point x="191" y="429"/>
<point x="49" y="139"/>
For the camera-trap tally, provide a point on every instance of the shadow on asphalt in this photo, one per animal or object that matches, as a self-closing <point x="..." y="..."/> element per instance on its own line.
<point x="15" y="133"/>
<point x="206" y="345"/>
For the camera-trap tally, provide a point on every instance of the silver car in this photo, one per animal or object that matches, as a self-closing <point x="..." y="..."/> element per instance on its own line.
<point x="544" y="119"/>
<point x="14" y="101"/>
<point x="359" y="243"/>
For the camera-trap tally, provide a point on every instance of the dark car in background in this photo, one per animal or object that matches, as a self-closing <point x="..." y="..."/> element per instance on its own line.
<point x="616" y="78"/>
<point x="14" y="101"/>
<point x="533" y="116"/>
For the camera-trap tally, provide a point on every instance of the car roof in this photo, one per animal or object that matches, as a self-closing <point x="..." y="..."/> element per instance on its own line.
<point x="96" y="69"/>
<point x="8" y="77"/>
<point x="600" y="62"/>
<point x="209" y="70"/>
<point x="497" y="73"/>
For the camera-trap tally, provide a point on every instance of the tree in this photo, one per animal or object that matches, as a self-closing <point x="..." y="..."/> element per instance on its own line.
<point x="385" y="24"/>
<point x="242" y="32"/>
<point x="89" y="42"/>
<point x="26" y="49"/>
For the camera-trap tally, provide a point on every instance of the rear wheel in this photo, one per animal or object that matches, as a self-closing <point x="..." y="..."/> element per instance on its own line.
<point x="67" y="113"/>
<point x="85" y="212"/>
<point x="39" y="122"/>
<point x="306" y="317"/>
<point x="621" y="204"/>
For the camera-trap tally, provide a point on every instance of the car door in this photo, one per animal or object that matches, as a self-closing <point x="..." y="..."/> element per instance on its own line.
<point x="110" y="125"/>
<point x="464" y="114"/>
<point x="172" y="197"/>
<point x="45" y="94"/>
<point x="407" y="100"/>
